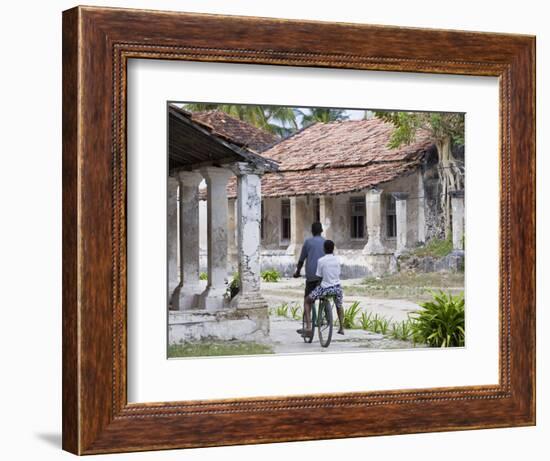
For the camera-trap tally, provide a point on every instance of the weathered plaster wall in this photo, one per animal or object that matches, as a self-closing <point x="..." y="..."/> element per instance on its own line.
<point x="423" y="190"/>
<point x="409" y="185"/>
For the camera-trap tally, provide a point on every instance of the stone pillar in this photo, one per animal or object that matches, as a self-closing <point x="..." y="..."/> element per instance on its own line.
<point x="249" y="202"/>
<point x="172" y="235"/>
<point x="401" y="221"/>
<point x="374" y="217"/>
<point x="421" y="237"/>
<point x="297" y="219"/>
<point x="232" y="235"/>
<point x="325" y="205"/>
<point x="185" y="296"/>
<point x="213" y="298"/>
<point x="457" y="208"/>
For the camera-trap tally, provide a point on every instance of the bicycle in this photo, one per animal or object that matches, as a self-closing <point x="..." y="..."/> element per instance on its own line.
<point x="321" y="318"/>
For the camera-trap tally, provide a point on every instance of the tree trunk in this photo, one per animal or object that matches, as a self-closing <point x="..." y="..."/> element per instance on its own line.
<point x="450" y="178"/>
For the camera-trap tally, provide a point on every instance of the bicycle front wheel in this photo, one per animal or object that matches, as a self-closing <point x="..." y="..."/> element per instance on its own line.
<point x="324" y="322"/>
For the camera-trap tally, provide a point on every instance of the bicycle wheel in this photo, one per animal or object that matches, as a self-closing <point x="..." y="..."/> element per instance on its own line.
<point x="309" y="339"/>
<point x="324" y="322"/>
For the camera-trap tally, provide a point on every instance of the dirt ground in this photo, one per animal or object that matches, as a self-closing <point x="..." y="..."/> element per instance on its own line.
<point x="392" y="297"/>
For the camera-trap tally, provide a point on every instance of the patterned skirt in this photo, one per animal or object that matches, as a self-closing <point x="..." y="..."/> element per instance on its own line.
<point x="333" y="290"/>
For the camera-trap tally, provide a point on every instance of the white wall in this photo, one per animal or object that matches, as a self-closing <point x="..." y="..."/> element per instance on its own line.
<point x="30" y="244"/>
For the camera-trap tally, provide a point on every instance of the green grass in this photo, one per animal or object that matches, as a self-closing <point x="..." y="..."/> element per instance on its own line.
<point x="408" y="285"/>
<point x="437" y="248"/>
<point x="217" y="348"/>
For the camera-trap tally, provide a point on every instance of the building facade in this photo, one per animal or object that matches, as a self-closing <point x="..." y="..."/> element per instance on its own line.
<point x="375" y="203"/>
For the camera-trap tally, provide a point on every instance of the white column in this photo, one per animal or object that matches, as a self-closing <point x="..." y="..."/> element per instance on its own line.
<point x="421" y="213"/>
<point x="325" y="211"/>
<point x="374" y="218"/>
<point x="297" y="216"/>
<point x="457" y="208"/>
<point x="213" y="298"/>
<point x="185" y="296"/>
<point x="172" y="234"/>
<point x="249" y="201"/>
<point x="401" y="220"/>
<point x="232" y="235"/>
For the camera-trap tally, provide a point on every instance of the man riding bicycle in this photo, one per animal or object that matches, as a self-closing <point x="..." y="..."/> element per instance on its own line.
<point x="328" y="268"/>
<point x="312" y="251"/>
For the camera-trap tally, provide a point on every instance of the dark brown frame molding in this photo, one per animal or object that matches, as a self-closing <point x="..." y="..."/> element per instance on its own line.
<point x="97" y="43"/>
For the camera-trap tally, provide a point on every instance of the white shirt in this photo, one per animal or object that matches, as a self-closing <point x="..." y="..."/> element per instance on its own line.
<point x="328" y="268"/>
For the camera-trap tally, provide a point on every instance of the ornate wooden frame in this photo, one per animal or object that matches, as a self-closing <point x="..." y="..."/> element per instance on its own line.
<point x="97" y="43"/>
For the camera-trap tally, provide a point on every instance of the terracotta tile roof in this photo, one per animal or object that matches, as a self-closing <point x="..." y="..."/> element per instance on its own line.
<point x="338" y="157"/>
<point x="234" y="130"/>
<point x="328" y="181"/>
<point x="343" y="143"/>
<point x="192" y="141"/>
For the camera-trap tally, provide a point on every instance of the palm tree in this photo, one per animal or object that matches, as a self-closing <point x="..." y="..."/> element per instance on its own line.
<point x="274" y="119"/>
<point x="322" y="115"/>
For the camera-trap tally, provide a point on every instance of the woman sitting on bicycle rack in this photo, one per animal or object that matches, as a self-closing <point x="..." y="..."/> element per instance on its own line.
<point x="328" y="269"/>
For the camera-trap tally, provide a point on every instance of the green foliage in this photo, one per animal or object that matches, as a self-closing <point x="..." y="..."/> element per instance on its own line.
<point x="437" y="248"/>
<point x="282" y="310"/>
<point x="203" y="276"/>
<point x="375" y="323"/>
<point x="273" y="119"/>
<point x="296" y="311"/>
<point x="233" y="286"/>
<point x="322" y="115"/>
<point x="440" y="322"/>
<point x="380" y="324"/>
<point x="221" y="348"/>
<point x="401" y="330"/>
<point x="350" y="315"/>
<point x="270" y="275"/>
<point x="365" y="320"/>
<point x="440" y="125"/>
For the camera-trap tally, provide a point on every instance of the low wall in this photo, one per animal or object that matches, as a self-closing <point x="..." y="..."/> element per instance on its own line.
<point x="453" y="262"/>
<point x="354" y="263"/>
<point x="223" y="325"/>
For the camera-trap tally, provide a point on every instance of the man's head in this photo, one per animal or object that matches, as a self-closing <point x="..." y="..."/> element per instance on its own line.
<point x="328" y="247"/>
<point x="316" y="228"/>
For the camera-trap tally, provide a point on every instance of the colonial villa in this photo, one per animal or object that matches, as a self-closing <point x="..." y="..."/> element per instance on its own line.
<point x="374" y="202"/>
<point x="247" y="200"/>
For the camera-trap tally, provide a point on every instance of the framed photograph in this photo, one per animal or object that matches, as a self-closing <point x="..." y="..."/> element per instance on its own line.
<point x="281" y="230"/>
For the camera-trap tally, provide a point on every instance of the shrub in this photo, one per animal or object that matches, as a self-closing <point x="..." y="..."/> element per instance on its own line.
<point x="366" y="320"/>
<point x="296" y="311"/>
<point x="203" y="276"/>
<point x="233" y="286"/>
<point x="437" y="248"/>
<point x="282" y="310"/>
<point x="440" y="322"/>
<point x="270" y="275"/>
<point x="401" y="330"/>
<point x="350" y="314"/>
<point x="380" y="324"/>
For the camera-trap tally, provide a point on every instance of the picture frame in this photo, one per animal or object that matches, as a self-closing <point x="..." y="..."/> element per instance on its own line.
<point x="97" y="44"/>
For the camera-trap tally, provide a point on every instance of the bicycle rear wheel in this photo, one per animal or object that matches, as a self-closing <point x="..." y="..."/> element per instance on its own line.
<point x="324" y="322"/>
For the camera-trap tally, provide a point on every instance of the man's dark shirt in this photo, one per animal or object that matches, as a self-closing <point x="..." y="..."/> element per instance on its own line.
<point x="312" y="250"/>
